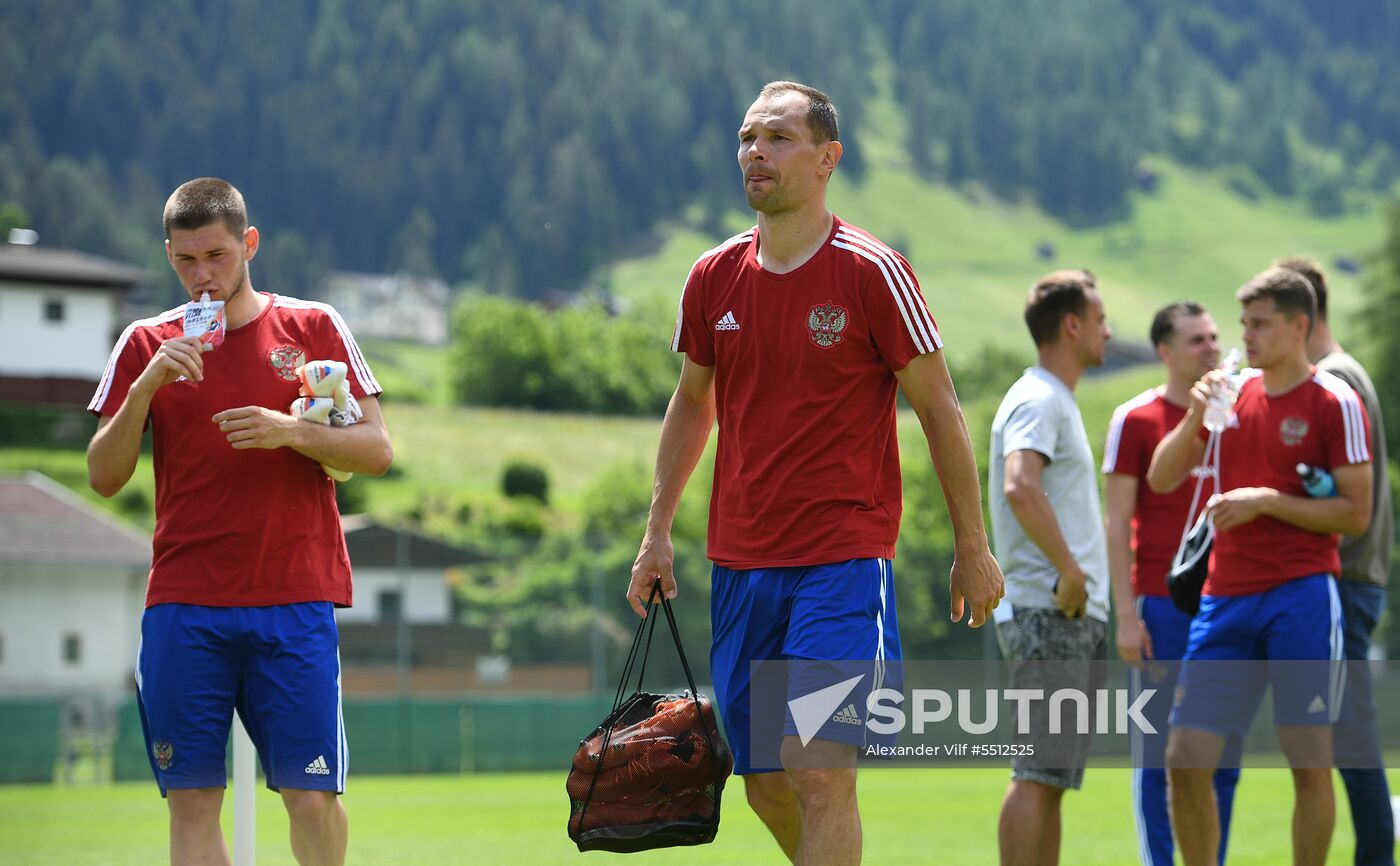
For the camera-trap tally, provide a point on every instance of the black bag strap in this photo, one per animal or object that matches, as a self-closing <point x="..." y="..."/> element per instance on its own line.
<point x="694" y="695"/>
<point x="680" y="650"/>
<point x="1209" y="468"/>
<point x="648" y="625"/>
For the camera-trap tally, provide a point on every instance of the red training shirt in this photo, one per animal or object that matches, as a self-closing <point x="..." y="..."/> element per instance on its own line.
<point x="1158" y="519"/>
<point x="807" y="469"/>
<point x="1320" y="422"/>
<point x="239" y="528"/>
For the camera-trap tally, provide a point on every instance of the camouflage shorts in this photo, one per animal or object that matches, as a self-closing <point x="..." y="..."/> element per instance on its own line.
<point x="1048" y="651"/>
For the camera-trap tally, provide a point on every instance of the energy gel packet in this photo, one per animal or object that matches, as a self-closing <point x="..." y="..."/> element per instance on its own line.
<point x="205" y="319"/>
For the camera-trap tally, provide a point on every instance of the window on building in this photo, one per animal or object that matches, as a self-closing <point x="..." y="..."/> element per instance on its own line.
<point x="390" y="605"/>
<point x="72" y="648"/>
<point x="53" y="310"/>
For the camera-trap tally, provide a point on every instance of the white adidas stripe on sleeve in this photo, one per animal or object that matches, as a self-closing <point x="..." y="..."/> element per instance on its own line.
<point x="901" y="284"/>
<point x="358" y="364"/>
<point x="109" y="372"/>
<point x="742" y="237"/>
<point x="1115" y="429"/>
<point x="1354" y="428"/>
<point x="907" y="284"/>
<point x="920" y="342"/>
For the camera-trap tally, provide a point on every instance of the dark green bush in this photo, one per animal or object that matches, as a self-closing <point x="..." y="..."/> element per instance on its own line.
<point x="523" y="478"/>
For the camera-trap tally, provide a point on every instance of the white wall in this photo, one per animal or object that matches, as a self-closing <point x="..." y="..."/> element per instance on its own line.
<point x="75" y="348"/>
<point x="392" y="307"/>
<point x="429" y="598"/>
<point x="40" y="604"/>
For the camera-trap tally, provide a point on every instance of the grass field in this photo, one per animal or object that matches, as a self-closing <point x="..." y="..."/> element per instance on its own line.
<point x="911" y="817"/>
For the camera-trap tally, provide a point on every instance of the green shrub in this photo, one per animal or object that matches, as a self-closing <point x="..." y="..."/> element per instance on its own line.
<point x="44" y="425"/>
<point x="523" y="478"/>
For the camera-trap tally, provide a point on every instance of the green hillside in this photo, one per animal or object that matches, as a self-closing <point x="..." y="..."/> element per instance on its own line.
<point x="1200" y="234"/>
<point x="975" y="256"/>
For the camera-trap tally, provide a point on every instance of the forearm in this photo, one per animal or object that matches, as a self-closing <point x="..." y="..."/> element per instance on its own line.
<point x="364" y="448"/>
<point x="1032" y="510"/>
<point x="684" y="432"/>
<point x="1175" y="456"/>
<point x="116" y="446"/>
<point x="951" y="450"/>
<point x="1120" y="566"/>
<point x="1336" y="514"/>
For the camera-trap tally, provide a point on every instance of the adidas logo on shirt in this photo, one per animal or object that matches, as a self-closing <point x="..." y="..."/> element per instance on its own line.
<point x="727" y="322"/>
<point x="318" y="767"/>
<point x="1318" y="705"/>
<point x="847" y="716"/>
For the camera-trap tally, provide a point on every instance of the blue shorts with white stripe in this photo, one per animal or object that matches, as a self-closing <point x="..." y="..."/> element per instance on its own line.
<point x="279" y="666"/>
<point x="1295" y="627"/>
<point x="830" y="612"/>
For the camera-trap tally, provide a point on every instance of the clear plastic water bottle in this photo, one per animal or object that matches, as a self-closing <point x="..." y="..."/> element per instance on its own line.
<point x="1318" y="482"/>
<point x="1222" y="398"/>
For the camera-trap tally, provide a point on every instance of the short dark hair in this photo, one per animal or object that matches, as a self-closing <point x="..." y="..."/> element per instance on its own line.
<point x="1164" y="320"/>
<point x="1290" y="291"/>
<point x="1053" y="297"/>
<point x="199" y="202"/>
<point x="821" y="112"/>
<point x="1312" y="271"/>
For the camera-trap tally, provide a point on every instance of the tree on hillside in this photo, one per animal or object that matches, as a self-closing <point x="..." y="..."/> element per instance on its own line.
<point x="1380" y="321"/>
<point x="522" y="145"/>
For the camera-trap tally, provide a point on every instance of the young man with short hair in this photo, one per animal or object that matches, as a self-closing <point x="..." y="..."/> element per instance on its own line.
<point x="249" y="561"/>
<point x="1144" y="529"/>
<point x="1271" y="593"/>
<point x="797" y="334"/>
<point x="1361" y="589"/>
<point x="1042" y="468"/>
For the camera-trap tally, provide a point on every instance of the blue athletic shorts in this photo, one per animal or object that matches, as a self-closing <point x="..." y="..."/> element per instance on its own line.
<point x="279" y="666"/>
<point x="837" y="611"/>
<point x="1289" y="637"/>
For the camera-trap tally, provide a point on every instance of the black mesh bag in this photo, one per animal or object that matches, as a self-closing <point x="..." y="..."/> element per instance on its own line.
<point x="651" y="774"/>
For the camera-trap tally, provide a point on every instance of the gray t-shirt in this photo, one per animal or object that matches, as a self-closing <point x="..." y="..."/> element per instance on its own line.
<point x="1039" y="414"/>
<point x="1366" y="557"/>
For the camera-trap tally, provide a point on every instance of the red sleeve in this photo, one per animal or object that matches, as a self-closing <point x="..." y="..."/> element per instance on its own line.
<point x="693" y="335"/>
<point x="1123" y="451"/>
<point x="899" y="319"/>
<point x="336" y="343"/>
<point x="127" y="361"/>
<point x="1345" y="429"/>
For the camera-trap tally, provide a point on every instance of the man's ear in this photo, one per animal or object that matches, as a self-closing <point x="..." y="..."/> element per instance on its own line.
<point x="831" y="155"/>
<point x="1071" y="325"/>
